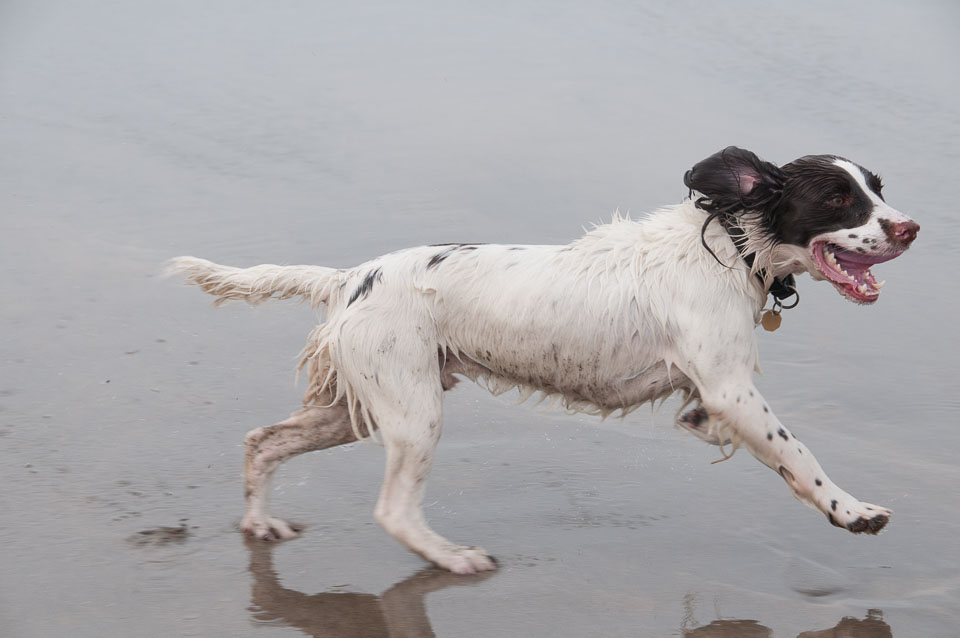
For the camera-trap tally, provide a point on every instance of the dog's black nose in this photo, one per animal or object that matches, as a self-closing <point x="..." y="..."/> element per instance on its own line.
<point x="903" y="232"/>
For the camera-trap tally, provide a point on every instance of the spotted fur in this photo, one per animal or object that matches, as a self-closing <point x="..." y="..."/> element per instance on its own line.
<point x="631" y="312"/>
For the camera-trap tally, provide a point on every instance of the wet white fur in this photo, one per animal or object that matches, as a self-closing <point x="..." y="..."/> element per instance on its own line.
<point x="630" y="312"/>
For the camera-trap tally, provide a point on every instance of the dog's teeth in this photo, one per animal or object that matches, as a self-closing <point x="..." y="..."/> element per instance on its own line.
<point x="862" y="289"/>
<point x="878" y="284"/>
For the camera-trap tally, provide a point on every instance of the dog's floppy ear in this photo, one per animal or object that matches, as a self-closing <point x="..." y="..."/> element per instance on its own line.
<point x="732" y="179"/>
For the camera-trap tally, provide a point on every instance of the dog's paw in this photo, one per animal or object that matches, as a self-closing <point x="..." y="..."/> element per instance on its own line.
<point x="269" y="529"/>
<point x="858" y="517"/>
<point x="467" y="560"/>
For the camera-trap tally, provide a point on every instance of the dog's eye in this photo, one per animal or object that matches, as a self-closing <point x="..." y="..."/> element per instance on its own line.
<point x="839" y="200"/>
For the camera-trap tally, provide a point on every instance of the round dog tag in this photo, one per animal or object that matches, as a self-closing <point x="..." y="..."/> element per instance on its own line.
<point x="770" y="320"/>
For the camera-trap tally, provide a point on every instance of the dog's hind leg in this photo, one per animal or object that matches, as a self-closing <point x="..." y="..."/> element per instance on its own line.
<point x="399" y="509"/>
<point x="408" y="412"/>
<point x="312" y="428"/>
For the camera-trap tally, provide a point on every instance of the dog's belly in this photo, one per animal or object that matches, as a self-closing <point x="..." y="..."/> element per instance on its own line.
<point x="607" y="388"/>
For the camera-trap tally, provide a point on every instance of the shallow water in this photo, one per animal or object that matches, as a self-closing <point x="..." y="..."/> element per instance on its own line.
<point x="321" y="133"/>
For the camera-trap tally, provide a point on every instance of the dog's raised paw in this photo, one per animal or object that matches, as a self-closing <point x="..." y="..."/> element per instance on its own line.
<point x="270" y="529"/>
<point x="869" y="525"/>
<point x="860" y="518"/>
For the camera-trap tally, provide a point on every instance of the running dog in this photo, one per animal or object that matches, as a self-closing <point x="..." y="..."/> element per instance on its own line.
<point x="631" y="312"/>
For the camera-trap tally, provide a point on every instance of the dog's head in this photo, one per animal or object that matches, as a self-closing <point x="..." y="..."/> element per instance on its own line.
<point x="821" y="213"/>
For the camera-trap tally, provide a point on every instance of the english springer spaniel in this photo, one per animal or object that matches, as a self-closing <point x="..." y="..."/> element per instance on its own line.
<point x="631" y="312"/>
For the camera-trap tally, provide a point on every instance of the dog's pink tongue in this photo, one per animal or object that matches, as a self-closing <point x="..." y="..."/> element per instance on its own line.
<point x="847" y="257"/>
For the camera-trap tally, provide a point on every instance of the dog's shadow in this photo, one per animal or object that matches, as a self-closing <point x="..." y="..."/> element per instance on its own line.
<point x="399" y="611"/>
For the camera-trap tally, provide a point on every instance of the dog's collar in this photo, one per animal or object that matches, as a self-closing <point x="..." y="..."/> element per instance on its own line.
<point x="781" y="288"/>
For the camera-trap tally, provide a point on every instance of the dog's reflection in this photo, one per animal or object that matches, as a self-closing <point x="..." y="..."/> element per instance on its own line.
<point x="872" y="626"/>
<point x="400" y="611"/>
<point x="397" y="612"/>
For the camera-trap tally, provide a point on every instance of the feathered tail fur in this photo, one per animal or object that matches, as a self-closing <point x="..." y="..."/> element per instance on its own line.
<point x="257" y="284"/>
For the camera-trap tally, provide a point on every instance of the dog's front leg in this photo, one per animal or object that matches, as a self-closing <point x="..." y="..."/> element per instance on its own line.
<point x="741" y="415"/>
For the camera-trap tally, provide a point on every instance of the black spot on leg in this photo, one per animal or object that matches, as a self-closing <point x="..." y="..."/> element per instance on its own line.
<point x="769" y="436"/>
<point x="852" y="235"/>
<point x="751" y="392"/>
<point x="867" y="240"/>
<point x="738" y="399"/>
<point x="695" y="418"/>
<point x="766" y="409"/>
<point x="799" y="450"/>
<point x="818" y="482"/>
<point x="783" y="434"/>
<point x="833" y="505"/>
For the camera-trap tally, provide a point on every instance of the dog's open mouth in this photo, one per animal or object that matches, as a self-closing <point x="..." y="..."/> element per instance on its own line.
<point x="849" y="271"/>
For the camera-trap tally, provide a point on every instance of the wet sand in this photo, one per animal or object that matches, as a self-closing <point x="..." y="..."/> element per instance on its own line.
<point x="329" y="135"/>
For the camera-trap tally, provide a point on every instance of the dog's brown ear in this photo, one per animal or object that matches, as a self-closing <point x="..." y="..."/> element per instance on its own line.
<point x="732" y="179"/>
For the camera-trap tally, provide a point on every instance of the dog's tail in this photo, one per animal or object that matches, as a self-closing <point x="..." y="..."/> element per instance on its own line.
<point x="257" y="284"/>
